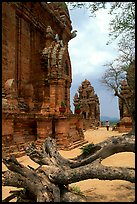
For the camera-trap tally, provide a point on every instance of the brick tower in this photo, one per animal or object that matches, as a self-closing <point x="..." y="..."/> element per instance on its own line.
<point x="36" y="76"/>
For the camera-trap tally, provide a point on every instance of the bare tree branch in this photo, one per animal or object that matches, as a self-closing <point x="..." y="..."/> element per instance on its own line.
<point x="48" y="182"/>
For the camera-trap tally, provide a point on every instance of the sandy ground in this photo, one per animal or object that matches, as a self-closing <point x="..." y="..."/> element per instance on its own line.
<point x="96" y="190"/>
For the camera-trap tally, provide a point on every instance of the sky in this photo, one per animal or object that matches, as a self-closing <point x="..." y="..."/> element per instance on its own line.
<point x="88" y="53"/>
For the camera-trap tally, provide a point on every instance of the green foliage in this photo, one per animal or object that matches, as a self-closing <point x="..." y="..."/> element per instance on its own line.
<point x="76" y="189"/>
<point x="87" y="148"/>
<point x="92" y="6"/>
<point x="62" y="5"/>
<point x="77" y="107"/>
<point x="123" y="14"/>
<point x="63" y="104"/>
<point x="123" y="21"/>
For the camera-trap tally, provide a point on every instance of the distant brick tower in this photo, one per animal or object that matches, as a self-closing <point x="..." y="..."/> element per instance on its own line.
<point x="125" y="124"/>
<point x="127" y="91"/>
<point x="89" y="104"/>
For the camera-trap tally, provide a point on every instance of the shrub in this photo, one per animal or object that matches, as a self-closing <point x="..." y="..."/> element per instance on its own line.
<point x="77" y="107"/>
<point x="63" y="104"/>
<point x="87" y="148"/>
<point x="76" y="189"/>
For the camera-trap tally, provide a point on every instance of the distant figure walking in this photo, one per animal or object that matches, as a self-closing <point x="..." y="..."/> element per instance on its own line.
<point x="107" y="124"/>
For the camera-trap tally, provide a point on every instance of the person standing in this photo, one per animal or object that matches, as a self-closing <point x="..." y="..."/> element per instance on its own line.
<point x="107" y="125"/>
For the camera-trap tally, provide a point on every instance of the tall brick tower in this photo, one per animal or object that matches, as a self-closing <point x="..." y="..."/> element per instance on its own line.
<point x="89" y="104"/>
<point x="36" y="75"/>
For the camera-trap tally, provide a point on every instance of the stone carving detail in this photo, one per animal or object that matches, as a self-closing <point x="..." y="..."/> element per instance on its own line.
<point x="23" y="106"/>
<point x="53" y="53"/>
<point x="49" y="32"/>
<point x="73" y="34"/>
<point x="9" y="98"/>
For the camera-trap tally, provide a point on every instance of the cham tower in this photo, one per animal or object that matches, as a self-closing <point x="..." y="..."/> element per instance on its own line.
<point x="36" y="76"/>
<point x="125" y="124"/>
<point x="128" y="92"/>
<point x="89" y="104"/>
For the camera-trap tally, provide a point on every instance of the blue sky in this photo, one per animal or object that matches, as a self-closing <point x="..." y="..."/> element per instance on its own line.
<point x="88" y="53"/>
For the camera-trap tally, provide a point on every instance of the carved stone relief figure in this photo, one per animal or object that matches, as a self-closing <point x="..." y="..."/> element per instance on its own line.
<point x="9" y="96"/>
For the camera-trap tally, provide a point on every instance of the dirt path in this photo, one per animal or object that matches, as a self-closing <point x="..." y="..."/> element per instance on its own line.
<point x="94" y="189"/>
<point x="106" y="191"/>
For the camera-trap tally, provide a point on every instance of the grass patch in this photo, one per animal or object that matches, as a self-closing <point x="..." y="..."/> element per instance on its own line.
<point x="87" y="148"/>
<point x="76" y="189"/>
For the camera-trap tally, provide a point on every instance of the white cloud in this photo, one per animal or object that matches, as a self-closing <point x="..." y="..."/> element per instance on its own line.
<point x="103" y="20"/>
<point x="89" y="48"/>
<point x="89" y="52"/>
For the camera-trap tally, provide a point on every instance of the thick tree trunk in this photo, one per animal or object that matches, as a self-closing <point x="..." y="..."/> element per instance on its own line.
<point x="49" y="182"/>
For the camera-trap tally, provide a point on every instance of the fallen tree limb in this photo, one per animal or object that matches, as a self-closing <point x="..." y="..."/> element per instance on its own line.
<point x="49" y="182"/>
<point x="110" y="146"/>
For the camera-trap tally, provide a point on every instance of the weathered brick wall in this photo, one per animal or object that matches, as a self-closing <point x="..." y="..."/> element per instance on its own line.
<point x="17" y="132"/>
<point x="8" y="42"/>
<point x="69" y="130"/>
<point x="42" y="88"/>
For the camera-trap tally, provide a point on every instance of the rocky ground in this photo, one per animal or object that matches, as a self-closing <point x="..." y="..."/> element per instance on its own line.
<point x="96" y="190"/>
